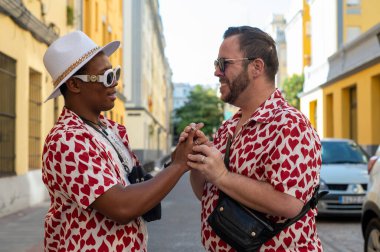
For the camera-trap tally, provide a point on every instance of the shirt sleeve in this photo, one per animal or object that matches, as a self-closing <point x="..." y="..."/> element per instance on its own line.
<point x="78" y="168"/>
<point x="294" y="161"/>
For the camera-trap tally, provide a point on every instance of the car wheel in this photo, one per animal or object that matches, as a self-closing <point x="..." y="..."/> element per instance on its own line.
<point x="372" y="236"/>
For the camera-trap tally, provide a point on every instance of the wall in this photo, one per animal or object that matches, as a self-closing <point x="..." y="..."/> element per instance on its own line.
<point x="26" y="188"/>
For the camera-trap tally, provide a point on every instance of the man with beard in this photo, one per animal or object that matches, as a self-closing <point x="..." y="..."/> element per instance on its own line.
<point x="275" y="154"/>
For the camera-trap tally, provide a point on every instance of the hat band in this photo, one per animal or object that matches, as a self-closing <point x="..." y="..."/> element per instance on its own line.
<point x="74" y="65"/>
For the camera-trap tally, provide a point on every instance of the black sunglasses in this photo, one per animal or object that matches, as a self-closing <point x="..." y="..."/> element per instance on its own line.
<point x="221" y="62"/>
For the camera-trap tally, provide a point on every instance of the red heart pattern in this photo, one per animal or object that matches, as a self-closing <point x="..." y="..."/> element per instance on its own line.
<point x="277" y="145"/>
<point x="77" y="168"/>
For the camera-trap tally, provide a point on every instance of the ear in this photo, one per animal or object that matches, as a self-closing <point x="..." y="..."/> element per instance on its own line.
<point x="73" y="85"/>
<point x="258" y="67"/>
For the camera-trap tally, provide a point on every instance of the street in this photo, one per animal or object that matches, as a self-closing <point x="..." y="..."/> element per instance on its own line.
<point x="340" y="234"/>
<point x="178" y="230"/>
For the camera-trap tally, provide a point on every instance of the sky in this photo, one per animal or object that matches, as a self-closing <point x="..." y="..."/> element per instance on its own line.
<point x="193" y="31"/>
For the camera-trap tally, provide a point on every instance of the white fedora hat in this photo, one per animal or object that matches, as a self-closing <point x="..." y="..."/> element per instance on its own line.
<point x="68" y="54"/>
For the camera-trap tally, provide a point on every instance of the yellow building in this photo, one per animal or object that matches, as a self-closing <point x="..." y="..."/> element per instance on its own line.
<point x="297" y="34"/>
<point x="341" y="91"/>
<point x="26" y="30"/>
<point x="351" y="96"/>
<point x="306" y="33"/>
<point x="102" y="20"/>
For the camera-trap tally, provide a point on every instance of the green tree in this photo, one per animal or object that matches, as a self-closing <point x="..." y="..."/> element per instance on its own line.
<point x="292" y="86"/>
<point x="203" y="106"/>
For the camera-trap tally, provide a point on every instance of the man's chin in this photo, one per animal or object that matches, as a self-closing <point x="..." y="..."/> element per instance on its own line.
<point x="225" y="98"/>
<point x="223" y="88"/>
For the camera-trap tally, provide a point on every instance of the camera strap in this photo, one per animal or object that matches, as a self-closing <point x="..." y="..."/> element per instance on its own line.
<point x="104" y="133"/>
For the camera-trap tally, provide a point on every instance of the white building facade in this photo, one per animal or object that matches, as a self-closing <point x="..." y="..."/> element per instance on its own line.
<point x="147" y="79"/>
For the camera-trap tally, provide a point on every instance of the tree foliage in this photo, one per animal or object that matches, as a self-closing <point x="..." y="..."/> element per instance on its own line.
<point x="203" y="106"/>
<point x="292" y="86"/>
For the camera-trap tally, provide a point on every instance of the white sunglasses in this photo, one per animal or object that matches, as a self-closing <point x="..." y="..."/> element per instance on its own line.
<point x="108" y="78"/>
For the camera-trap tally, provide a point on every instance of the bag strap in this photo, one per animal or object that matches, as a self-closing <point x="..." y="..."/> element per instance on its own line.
<point x="312" y="203"/>
<point x="227" y="153"/>
<point x="105" y="134"/>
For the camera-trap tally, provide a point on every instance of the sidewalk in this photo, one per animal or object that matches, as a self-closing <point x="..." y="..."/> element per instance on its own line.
<point x="23" y="231"/>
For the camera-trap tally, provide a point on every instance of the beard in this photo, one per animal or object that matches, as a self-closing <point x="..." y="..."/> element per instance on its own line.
<point x="236" y="86"/>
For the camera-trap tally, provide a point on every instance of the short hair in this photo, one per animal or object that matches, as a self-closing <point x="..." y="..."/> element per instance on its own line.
<point x="63" y="87"/>
<point x="254" y="42"/>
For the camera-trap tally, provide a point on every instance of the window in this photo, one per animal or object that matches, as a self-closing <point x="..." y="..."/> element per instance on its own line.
<point x="352" y="33"/>
<point x="313" y="114"/>
<point x="330" y="115"/>
<point x="96" y="16"/>
<point x="342" y="152"/>
<point x="34" y="120"/>
<point x="375" y="106"/>
<point x="7" y="115"/>
<point x="87" y="16"/>
<point x="352" y="2"/>
<point x="353" y="7"/>
<point x="308" y="29"/>
<point x="353" y="113"/>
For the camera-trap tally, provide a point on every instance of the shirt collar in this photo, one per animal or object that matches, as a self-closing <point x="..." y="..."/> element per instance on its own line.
<point x="75" y="119"/>
<point x="265" y="113"/>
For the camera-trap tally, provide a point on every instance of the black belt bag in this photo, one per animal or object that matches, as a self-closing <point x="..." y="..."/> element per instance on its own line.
<point x="138" y="175"/>
<point x="246" y="229"/>
<point x="243" y="229"/>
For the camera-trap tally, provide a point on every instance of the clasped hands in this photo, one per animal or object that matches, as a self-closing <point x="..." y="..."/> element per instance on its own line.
<point x="205" y="158"/>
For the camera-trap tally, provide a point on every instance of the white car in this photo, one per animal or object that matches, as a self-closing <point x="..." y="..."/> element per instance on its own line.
<point x="371" y="207"/>
<point x="344" y="175"/>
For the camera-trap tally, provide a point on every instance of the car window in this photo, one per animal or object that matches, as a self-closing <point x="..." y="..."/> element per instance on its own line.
<point x="336" y="152"/>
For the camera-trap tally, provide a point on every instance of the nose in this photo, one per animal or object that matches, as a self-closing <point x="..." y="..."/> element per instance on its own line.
<point x="217" y="72"/>
<point x="115" y="83"/>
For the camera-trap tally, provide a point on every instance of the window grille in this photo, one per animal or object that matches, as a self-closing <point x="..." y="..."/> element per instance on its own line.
<point x="7" y="115"/>
<point x="34" y="120"/>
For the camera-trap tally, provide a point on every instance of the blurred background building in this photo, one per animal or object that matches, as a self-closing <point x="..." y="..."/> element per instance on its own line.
<point x="27" y="28"/>
<point x="277" y="30"/>
<point x="181" y="92"/>
<point x="144" y="94"/>
<point x="341" y="93"/>
<point x="148" y="85"/>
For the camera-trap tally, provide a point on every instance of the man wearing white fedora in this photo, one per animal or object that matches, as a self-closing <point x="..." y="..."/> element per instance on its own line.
<point x="87" y="158"/>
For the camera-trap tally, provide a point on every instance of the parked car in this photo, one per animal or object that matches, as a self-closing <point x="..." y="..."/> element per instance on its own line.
<point x="344" y="175"/>
<point x="371" y="206"/>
